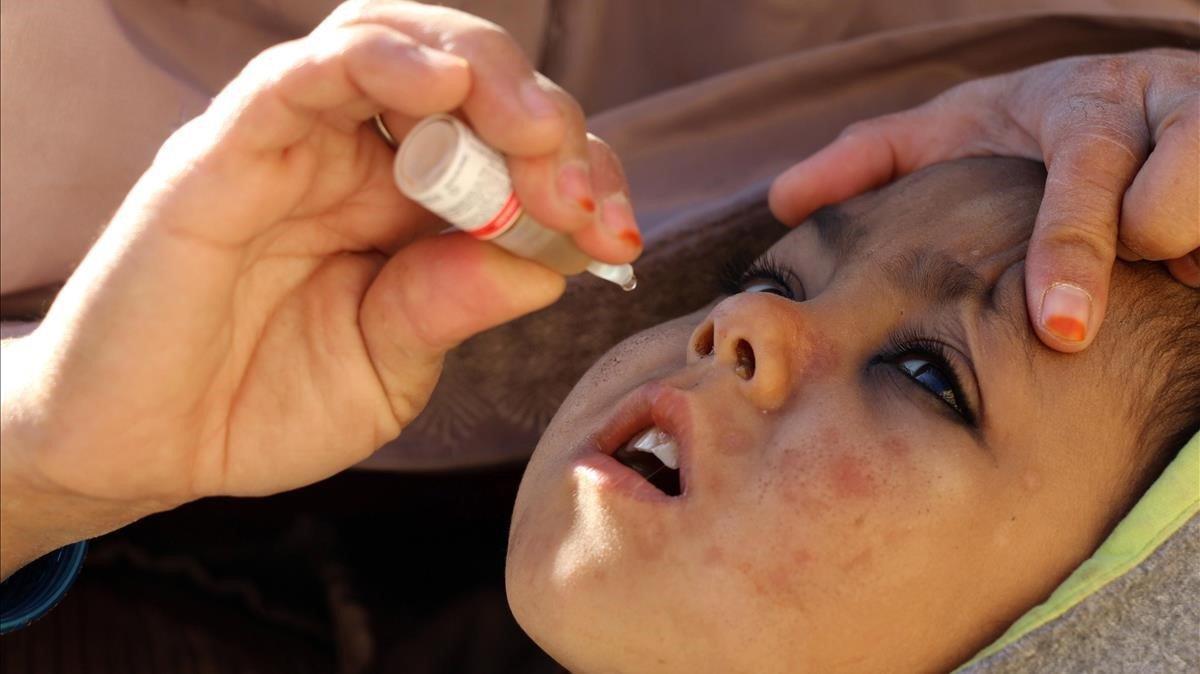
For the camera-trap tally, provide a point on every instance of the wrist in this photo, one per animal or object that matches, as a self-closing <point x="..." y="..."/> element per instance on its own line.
<point x="38" y="515"/>
<point x="24" y="533"/>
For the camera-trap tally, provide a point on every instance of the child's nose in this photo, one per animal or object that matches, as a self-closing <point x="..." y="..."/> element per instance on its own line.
<point x="751" y="334"/>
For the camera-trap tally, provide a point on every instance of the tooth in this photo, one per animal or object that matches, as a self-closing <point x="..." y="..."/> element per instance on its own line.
<point x="659" y="443"/>
<point x="668" y="454"/>
<point x="650" y="438"/>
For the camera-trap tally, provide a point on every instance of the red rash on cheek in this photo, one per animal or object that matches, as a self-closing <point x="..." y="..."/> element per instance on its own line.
<point x="851" y="477"/>
<point x="776" y="581"/>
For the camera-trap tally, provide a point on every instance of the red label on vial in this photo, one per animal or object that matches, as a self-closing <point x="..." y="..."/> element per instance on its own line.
<point x="508" y="214"/>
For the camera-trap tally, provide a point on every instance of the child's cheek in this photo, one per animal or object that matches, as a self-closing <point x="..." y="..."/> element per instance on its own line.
<point x="831" y="475"/>
<point x="828" y="512"/>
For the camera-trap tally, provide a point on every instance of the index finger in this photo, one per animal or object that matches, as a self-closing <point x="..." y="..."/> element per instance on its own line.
<point x="507" y="104"/>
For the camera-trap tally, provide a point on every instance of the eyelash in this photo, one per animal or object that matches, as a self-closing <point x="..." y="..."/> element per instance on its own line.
<point x="735" y="274"/>
<point x="907" y="342"/>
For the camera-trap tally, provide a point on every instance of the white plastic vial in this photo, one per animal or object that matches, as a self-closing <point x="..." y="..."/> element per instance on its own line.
<point x="445" y="167"/>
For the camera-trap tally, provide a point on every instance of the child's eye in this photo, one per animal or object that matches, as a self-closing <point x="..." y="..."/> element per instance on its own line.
<point x="766" y="286"/>
<point x="762" y="276"/>
<point x="930" y="375"/>
<point x="928" y="363"/>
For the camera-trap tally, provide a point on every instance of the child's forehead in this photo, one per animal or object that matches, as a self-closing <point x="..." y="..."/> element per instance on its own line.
<point x="969" y="209"/>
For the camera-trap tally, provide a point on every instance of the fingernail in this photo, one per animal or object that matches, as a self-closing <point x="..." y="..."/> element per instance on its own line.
<point x="536" y="101"/>
<point x="617" y="215"/>
<point x="575" y="185"/>
<point x="1066" y="311"/>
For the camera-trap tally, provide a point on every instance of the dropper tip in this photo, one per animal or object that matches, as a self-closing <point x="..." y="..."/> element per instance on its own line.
<point x="620" y="274"/>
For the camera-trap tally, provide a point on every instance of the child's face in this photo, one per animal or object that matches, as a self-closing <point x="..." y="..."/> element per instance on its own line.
<point x="838" y="512"/>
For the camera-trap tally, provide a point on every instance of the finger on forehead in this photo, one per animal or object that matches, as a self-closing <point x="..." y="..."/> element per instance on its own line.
<point x="1160" y="214"/>
<point x="507" y="106"/>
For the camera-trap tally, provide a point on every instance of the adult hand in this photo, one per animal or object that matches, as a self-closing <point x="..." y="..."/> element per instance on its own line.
<point x="266" y="308"/>
<point x="1120" y="137"/>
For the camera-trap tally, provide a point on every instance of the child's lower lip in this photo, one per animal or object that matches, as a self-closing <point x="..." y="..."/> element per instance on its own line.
<point x="607" y="475"/>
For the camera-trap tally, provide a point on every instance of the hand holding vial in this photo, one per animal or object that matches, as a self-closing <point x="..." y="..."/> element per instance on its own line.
<point x="265" y="308"/>
<point x="443" y="166"/>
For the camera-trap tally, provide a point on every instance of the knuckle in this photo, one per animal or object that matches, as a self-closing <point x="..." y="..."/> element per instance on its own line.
<point x="1146" y="247"/>
<point x="349" y="12"/>
<point x="1091" y="189"/>
<point x="1101" y="110"/>
<point x="1155" y="238"/>
<point x="1085" y="239"/>
<point x="1104" y="93"/>
<point x="1186" y="115"/>
<point x="1096" y="160"/>
<point x="566" y="102"/>
<point x="482" y="38"/>
<point x="269" y="60"/>
<point x="1109" y="78"/>
<point x="866" y="128"/>
<point x="861" y="127"/>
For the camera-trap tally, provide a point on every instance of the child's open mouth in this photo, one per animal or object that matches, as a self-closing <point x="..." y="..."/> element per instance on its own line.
<point x="646" y="448"/>
<point x="655" y="456"/>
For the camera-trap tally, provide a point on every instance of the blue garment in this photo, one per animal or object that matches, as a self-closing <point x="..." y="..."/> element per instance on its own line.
<point x="36" y="588"/>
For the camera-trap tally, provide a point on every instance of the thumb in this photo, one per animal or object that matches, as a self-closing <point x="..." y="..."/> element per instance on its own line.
<point x="432" y="296"/>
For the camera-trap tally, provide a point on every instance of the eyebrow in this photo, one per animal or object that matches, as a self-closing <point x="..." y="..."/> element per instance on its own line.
<point x="935" y="277"/>
<point x="838" y="232"/>
<point x="931" y="275"/>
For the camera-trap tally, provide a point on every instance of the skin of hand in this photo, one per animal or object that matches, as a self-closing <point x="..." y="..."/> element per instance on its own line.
<point x="265" y="309"/>
<point x="1120" y="137"/>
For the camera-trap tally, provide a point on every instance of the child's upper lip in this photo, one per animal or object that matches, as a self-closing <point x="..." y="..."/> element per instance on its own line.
<point x="654" y="403"/>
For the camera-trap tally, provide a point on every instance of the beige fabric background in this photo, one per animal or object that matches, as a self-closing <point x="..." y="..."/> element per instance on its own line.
<point x="704" y="100"/>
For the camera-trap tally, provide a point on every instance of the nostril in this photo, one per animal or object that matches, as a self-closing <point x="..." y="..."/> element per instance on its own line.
<point x="703" y="343"/>
<point x="745" y="360"/>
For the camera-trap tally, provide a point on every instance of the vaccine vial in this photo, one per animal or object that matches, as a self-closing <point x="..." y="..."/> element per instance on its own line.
<point x="445" y="167"/>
